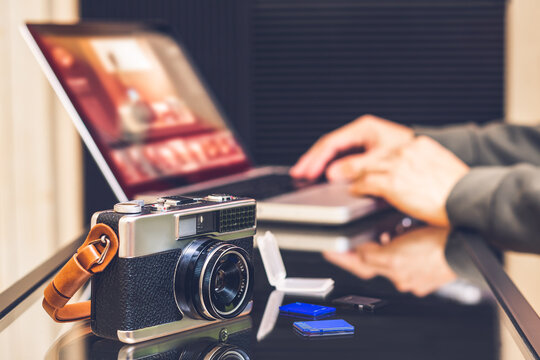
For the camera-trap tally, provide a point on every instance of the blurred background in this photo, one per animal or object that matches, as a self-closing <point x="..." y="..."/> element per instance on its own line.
<point x="285" y="72"/>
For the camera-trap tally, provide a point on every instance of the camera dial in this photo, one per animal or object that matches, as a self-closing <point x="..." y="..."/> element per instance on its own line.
<point x="213" y="280"/>
<point x="129" y="207"/>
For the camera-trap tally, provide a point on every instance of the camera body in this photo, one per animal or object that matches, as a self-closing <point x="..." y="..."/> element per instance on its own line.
<point x="182" y="263"/>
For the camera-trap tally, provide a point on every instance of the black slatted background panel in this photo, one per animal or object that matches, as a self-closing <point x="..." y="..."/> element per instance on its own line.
<point x="287" y="71"/>
<point x="317" y="64"/>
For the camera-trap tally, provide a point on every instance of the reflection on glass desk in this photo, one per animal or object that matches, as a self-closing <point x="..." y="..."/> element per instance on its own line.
<point x="225" y="340"/>
<point x="447" y="298"/>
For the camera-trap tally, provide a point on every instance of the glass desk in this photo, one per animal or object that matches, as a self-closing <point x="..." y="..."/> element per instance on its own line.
<point x="448" y="297"/>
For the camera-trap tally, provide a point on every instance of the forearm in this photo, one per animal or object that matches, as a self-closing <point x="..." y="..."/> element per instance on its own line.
<point x="493" y="144"/>
<point x="501" y="203"/>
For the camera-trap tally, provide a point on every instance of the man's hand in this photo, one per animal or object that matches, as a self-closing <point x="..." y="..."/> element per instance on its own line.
<point x="416" y="179"/>
<point x="375" y="135"/>
<point x="414" y="262"/>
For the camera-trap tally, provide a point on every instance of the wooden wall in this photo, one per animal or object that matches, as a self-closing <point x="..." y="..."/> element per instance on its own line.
<point x="40" y="176"/>
<point x="523" y="106"/>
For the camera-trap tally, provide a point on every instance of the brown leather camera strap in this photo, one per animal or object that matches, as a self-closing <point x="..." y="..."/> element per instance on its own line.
<point x="92" y="257"/>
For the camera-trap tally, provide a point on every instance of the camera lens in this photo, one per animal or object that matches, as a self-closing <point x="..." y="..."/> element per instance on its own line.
<point x="227" y="281"/>
<point x="213" y="280"/>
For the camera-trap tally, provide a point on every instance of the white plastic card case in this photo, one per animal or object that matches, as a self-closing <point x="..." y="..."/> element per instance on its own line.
<point x="277" y="275"/>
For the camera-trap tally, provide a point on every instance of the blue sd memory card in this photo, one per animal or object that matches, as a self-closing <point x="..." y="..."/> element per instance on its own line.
<point x="324" y="327"/>
<point x="306" y="310"/>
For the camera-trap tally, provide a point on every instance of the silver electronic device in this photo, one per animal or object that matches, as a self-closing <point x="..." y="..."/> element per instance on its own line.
<point x="154" y="128"/>
<point x="182" y="263"/>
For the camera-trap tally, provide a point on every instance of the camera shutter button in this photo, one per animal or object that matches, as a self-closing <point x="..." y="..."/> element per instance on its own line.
<point x="129" y="207"/>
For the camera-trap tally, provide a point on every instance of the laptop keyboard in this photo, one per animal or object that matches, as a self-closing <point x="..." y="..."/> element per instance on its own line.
<point x="259" y="188"/>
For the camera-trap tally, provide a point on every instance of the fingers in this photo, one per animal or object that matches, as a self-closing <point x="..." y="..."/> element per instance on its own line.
<point x="352" y="166"/>
<point x="373" y="182"/>
<point x="375" y="255"/>
<point x="367" y="131"/>
<point x="349" y="261"/>
<point x="312" y="164"/>
<point x="388" y="263"/>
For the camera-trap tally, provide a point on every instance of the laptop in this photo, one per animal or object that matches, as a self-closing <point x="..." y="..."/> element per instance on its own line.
<point x="318" y="238"/>
<point x="154" y="128"/>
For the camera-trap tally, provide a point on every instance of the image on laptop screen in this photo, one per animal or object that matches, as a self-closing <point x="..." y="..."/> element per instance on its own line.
<point x="144" y="105"/>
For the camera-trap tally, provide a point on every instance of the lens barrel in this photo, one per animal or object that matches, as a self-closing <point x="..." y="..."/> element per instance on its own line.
<point x="213" y="280"/>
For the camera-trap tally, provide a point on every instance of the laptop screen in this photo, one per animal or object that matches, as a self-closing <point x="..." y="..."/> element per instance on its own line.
<point x="143" y="104"/>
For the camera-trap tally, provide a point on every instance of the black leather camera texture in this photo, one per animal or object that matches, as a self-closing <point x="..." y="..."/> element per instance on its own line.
<point x="134" y="293"/>
<point x="110" y="218"/>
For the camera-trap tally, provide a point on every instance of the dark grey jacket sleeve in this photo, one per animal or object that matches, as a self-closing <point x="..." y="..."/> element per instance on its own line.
<point x="493" y="144"/>
<point x="502" y="203"/>
<point x="500" y="196"/>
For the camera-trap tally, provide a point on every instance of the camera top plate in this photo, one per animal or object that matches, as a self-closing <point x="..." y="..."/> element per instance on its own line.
<point x="165" y="225"/>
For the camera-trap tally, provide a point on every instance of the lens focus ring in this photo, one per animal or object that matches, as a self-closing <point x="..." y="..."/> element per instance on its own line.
<point x="213" y="280"/>
<point x="226" y="282"/>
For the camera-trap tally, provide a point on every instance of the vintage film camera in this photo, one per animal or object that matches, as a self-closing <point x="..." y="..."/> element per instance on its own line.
<point x="182" y="263"/>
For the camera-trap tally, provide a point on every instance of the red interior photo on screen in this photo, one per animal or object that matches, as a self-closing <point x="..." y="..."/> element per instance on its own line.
<point x="145" y="108"/>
